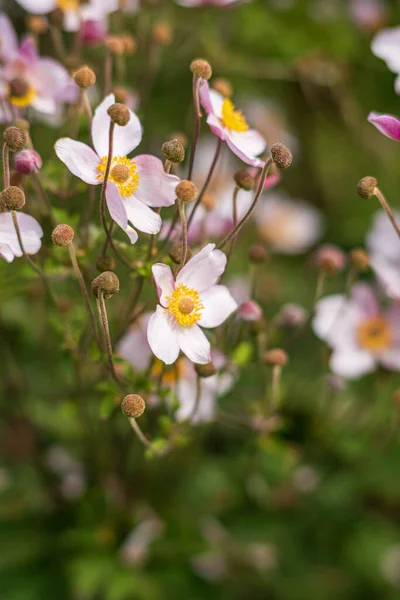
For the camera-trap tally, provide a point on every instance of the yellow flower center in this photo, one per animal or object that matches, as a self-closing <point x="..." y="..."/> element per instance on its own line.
<point x="233" y="118"/>
<point x="123" y="173"/>
<point x="374" y="334"/>
<point x="21" y="94"/>
<point x="68" y="4"/>
<point x="185" y="305"/>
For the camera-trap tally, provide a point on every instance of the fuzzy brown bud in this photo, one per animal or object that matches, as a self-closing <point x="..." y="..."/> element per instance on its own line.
<point x="281" y="156"/>
<point x="133" y="406"/>
<point x="207" y="370"/>
<point x="201" y="68"/>
<point x="366" y="187"/>
<point x="36" y="24"/>
<point x="359" y="259"/>
<point x="106" y="283"/>
<point x="105" y="263"/>
<point x="15" y="138"/>
<point x="13" y="198"/>
<point x="258" y="254"/>
<point x="62" y="235"/>
<point x="186" y="191"/>
<point x="223" y="87"/>
<point x="244" y="180"/>
<point x="162" y="33"/>
<point x="115" y="44"/>
<point x="173" y="151"/>
<point x="119" y="113"/>
<point x="85" y="77"/>
<point x="176" y="253"/>
<point x="276" y="356"/>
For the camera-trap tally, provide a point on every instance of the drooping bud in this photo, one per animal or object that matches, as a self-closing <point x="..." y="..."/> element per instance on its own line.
<point x="359" y="259"/>
<point x="223" y="87"/>
<point x="258" y="254"/>
<point x="105" y="263"/>
<point x="119" y="113"/>
<point x="176" y="252"/>
<point x="13" y="198"/>
<point x="244" y="180"/>
<point x="366" y="187"/>
<point x="27" y="162"/>
<point x="62" y="235"/>
<point x="186" y="191"/>
<point x="201" y="68"/>
<point x="133" y="406"/>
<point x="162" y="33"/>
<point x="330" y="259"/>
<point x="173" y="151"/>
<point x="15" y="139"/>
<point x="207" y="370"/>
<point x="85" y="77"/>
<point x="291" y="315"/>
<point x="276" y="356"/>
<point x="106" y="283"/>
<point x="281" y="156"/>
<point x="115" y="44"/>
<point x="249" y="311"/>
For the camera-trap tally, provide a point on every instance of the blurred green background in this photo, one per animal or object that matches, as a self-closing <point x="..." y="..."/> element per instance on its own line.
<point x="309" y="511"/>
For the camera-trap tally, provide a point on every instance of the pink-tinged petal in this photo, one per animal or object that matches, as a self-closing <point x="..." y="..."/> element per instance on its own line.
<point x="38" y="7"/>
<point x="247" y="145"/>
<point x="6" y="253"/>
<point x="386" y="124"/>
<point x="164" y="282"/>
<point x="72" y="20"/>
<point x="365" y="299"/>
<point x="250" y="311"/>
<point x="134" y="346"/>
<point x="156" y="187"/>
<point x="186" y="392"/>
<point x="390" y="359"/>
<point x="118" y="211"/>
<point x="141" y="216"/>
<point x="351" y="362"/>
<point x="211" y="100"/>
<point x="80" y="159"/>
<point x="393" y="316"/>
<point x="49" y="77"/>
<point x="44" y="105"/>
<point x="194" y="344"/>
<point x="218" y="306"/>
<point x="335" y="320"/>
<point x="28" y="49"/>
<point x="216" y="126"/>
<point x="388" y="274"/>
<point x="125" y="138"/>
<point x="203" y="270"/>
<point x="8" y="38"/>
<point x="162" y="336"/>
<point x="386" y="45"/>
<point x="31" y="233"/>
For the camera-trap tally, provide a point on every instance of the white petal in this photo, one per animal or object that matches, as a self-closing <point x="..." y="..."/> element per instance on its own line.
<point x="247" y="145"/>
<point x="118" y="212"/>
<point x="164" y="282"/>
<point x="80" y="159"/>
<point x="134" y="346"/>
<point x="38" y="7"/>
<point x="125" y="139"/>
<point x="203" y="270"/>
<point x="335" y="319"/>
<point x="211" y="100"/>
<point x="6" y="253"/>
<point x="141" y="216"/>
<point x="72" y="20"/>
<point x="8" y="38"/>
<point x="351" y="362"/>
<point x="386" y="45"/>
<point x="156" y="187"/>
<point x="31" y="233"/>
<point x="390" y="359"/>
<point x="365" y="299"/>
<point x="218" y="306"/>
<point x="194" y="344"/>
<point x="186" y="392"/>
<point x="388" y="275"/>
<point x="162" y="337"/>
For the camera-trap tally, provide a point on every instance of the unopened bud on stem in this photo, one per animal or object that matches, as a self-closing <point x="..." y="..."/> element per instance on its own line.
<point x="62" y="235"/>
<point x="106" y="283"/>
<point x="133" y="406"/>
<point x="173" y="151"/>
<point x="85" y="77"/>
<point x="13" y="198"/>
<point x="244" y="180"/>
<point x="186" y="191"/>
<point x="207" y="370"/>
<point x="119" y="113"/>
<point x="276" y="356"/>
<point x="366" y="187"/>
<point x="201" y="68"/>
<point x="15" y="138"/>
<point x="281" y="156"/>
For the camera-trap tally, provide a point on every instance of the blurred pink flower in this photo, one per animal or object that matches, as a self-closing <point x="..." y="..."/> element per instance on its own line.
<point x="27" y="162"/>
<point x="26" y="79"/>
<point x="386" y="45"/>
<point x="368" y="14"/>
<point x="31" y="233"/>
<point x="361" y="334"/>
<point x="386" y="124"/>
<point x="133" y="185"/>
<point x="249" y="310"/>
<point x="384" y="253"/>
<point x="187" y="304"/>
<point x="229" y="124"/>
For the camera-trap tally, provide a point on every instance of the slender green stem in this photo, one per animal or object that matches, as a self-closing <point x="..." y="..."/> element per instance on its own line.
<point x="101" y="306"/>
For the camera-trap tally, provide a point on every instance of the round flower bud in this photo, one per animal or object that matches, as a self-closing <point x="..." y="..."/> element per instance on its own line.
<point x="27" y="162"/>
<point x="62" y="235"/>
<point x="173" y="151"/>
<point x="13" y="198"/>
<point x="15" y="138"/>
<point x="330" y="259"/>
<point x="129" y="43"/>
<point x="201" y="68"/>
<point x="106" y="283"/>
<point x="133" y="406"/>
<point x="207" y="370"/>
<point x="36" y="24"/>
<point x="186" y="191"/>
<point x="359" y="259"/>
<point x="244" y="180"/>
<point x="162" y="34"/>
<point x="115" y="44"/>
<point x="250" y="311"/>
<point x="85" y="77"/>
<point x="281" y="156"/>
<point x="105" y="263"/>
<point x="258" y="254"/>
<point x="119" y="113"/>
<point x="223" y="87"/>
<point x="366" y="187"/>
<point x="291" y="315"/>
<point x="93" y="32"/>
<point x="175" y="253"/>
<point x="276" y="356"/>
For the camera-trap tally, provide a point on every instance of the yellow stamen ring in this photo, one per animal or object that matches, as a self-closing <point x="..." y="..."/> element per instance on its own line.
<point x="185" y="305"/>
<point x="232" y="118"/>
<point x="123" y="173"/>
<point x="374" y="334"/>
